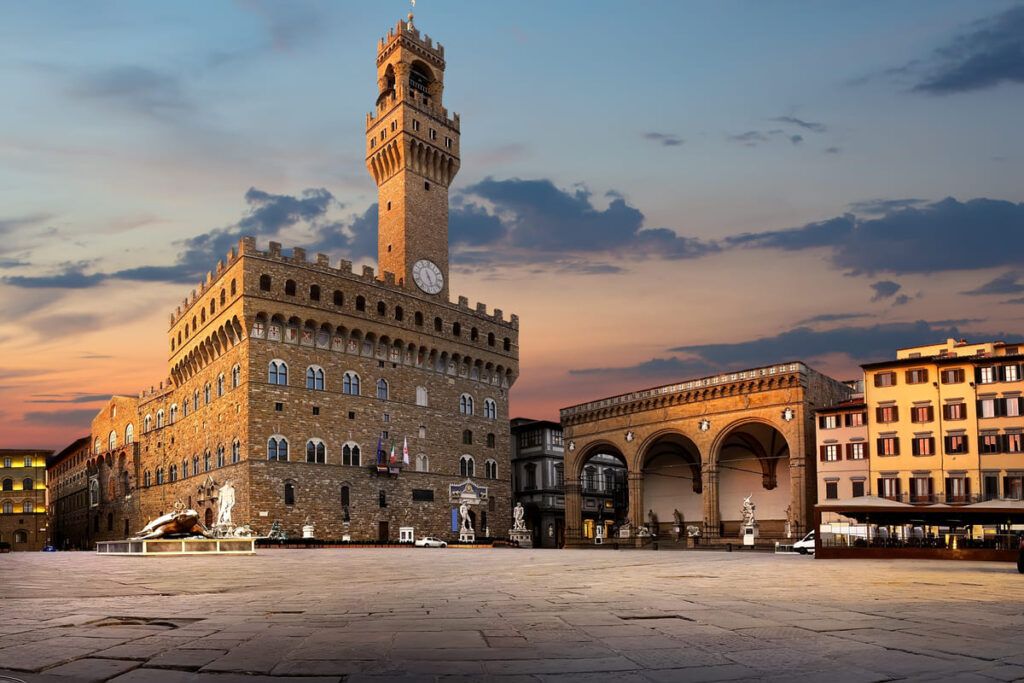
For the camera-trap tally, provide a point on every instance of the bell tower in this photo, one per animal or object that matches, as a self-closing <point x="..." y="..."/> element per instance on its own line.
<point x="412" y="152"/>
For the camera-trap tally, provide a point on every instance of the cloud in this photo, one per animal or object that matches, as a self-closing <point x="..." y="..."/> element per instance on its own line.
<point x="80" y="398"/>
<point x="796" y="139"/>
<point x="885" y="289"/>
<point x="61" y="418"/>
<point x="875" y="207"/>
<point x="833" y="150"/>
<point x="1009" y="282"/>
<point x="289" y="25"/>
<point x="901" y="300"/>
<point x="69" y="276"/>
<point x="1015" y="301"/>
<point x="862" y="344"/>
<point x="135" y="87"/>
<point x="664" y="139"/>
<point x="913" y="239"/>
<point x="987" y="55"/>
<point x="832" y="317"/>
<point x="751" y="138"/>
<point x="812" y="126"/>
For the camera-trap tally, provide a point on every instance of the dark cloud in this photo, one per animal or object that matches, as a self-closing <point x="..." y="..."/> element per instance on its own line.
<point x="290" y="25"/>
<point x="862" y="344"/>
<point x="833" y="150"/>
<point x="470" y="224"/>
<point x="80" y="398"/>
<point x="69" y="276"/>
<point x="875" y="207"/>
<point x="885" y="289"/>
<point x="751" y="138"/>
<point x="901" y="300"/>
<point x="832" y="318"/>
<point x="1011" y="282"/>
<point x="664" y="139"/>
<point x="812" y="126"/>
<point x="61" y="418"/>
<point x="135" y="87"/>
<point x="1015" y="301"/>
<point x="990" y="53"/>
<point x="10" y="225"/>
<point x="796" y="139"/>
<point x="913" y="239"/>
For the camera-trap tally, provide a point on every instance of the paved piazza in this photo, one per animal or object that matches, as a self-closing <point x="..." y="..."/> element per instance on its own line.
<point x="509" y="615"/>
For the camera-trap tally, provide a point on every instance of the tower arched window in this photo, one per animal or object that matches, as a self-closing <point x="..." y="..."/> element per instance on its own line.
<point x="456" y="330"/>
<point x="207" y="461"/>
<point x="382" y="308"/>
<point x="314" y="292"/>
<point x="174" y="473"/>
<point x="339" y="298"/>
<point x="490" y="440"/>
<point x="277" y="372"/>
<point x="112" y="440"/>
<point x="147" y="423"/>
<point x="207" y="394"/>
<point x="316" y="452"/>
<point x="220" y="455"/>
<point x="422" y="463"/>
<point x="466" y="466"/>
<point x="438" y="325"/>
<point x="234" y="288"/>
<point x="236" y="451"/>
<point x="147" y="479"/>
<point x="236" y="376"/>
<point x="277" y="448"/>
<point x="160" y="418"/>
<point x="491" y="469"/>
<point x="350" y="383"/>
<point x="467" y="437"/>
<point x="399" y="313"/>
<point x="315" y="378"/>
<point x="195" y="465"/>
<point x="184" y="468"/>
<point x="289" y="287"/>
<point x="465" y="404"/>
<point x="213" y="304"/>
<point x="490" y="409"/>
<point x="418" y="319"/>
<point x="350" y="454"/>
<point x="474" y="334"/>
<point x="195" y="400"/>
<point x="129" y="433"/>
<point x="265" y="283"/>
<point x="382" y="389"/>
<point x="346" y="500"/>
<point x="360" y="303"/>
<point x="174" y="413"/>
<point x="490" y="339"/>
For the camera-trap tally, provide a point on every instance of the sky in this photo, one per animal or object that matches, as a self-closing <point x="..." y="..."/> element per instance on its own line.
<point x="660" y="190"/>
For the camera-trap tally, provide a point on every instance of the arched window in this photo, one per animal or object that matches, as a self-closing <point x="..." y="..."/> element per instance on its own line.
<point x="195" y="400"/>
<point x="220" y="385"/>
<point x="490" y="409"/>
<point x="129" y="433"/>
<point x="147" y="479"/>
<point x="289" y="287"/>
<point x="277" y="372"/>
<point x="159" y="475"/>
<point x="184" y="405"/>
<point x="27" y="484"/>
<point x="350" y="384"/>
<point x="491" y="469"/>
<point x="195" y="465"/>
<point x="160" y="418"/>
<point x="360" y="303"/>
<point x="490" y="339"/>
<point x="399" y="313"/>
<point x="382" y="308"/>
<point x="174" y="473"/>
<point x="277" y="448"/>
<point x="315" y="378"/>
<point x="339" y="298"/>
<point x="112" y="440"/>
<point x="467" y="437"/>
<point x="382" y="389"/>
<point x="466" y="466"/>
<point x="147" y="423"/>
<point x="350" y="454"/>
<point x="97" y="448"/>
<point x="236" y="451"/>
<point x="465" y="404"/>
<point x="265" y="283"/>
<point x="422" y="463"/>
<point x="490" y="440"/>
<point x="223" y="296"/>
<point x="438" y="325"/>
<point x="316" y="452"/>
<point x="589" y="478"/>
<point x="421" y="396"/>
<point x="233" y="288"/>
<point x="314" y="292"/>
<point x="507" y="344"/>
<point x="474" y="334"/>
<point x="202" y="315"/>
<point x="207" y="394"/>
<point x="220" y="455"/>
<point x="213" y="304"/>
<point x="289" y="493"/>
<point x="346" y="500"/>
<point x="236" y="376"/>
<point x="418" y="319"/>
<point x="184" y="468"/>
<point x="8" y="507"/>
<point x="207" y="461"/>
<point x="174" y="413"/>
<point x="21" y="536"/>
<point x="456" y="330"/>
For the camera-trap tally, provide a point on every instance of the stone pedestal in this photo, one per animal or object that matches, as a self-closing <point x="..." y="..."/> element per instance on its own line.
<point x="467" y="536"/>
<point x="749" y="534"/>
<point x="307" y="531"/>
<point x="523" y="538"/>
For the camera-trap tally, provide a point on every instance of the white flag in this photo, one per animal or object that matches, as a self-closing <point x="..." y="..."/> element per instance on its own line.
<point x="405" y="451"/>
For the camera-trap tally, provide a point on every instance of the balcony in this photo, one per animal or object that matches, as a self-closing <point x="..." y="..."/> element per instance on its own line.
<point x="937" y="498"/>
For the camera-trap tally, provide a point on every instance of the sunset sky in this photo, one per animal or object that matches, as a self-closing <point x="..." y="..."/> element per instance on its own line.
<point x="659" y="190"/>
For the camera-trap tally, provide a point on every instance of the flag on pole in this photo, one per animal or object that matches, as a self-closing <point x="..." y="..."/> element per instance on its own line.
<point x="393" y="458"/>
<point x="405" y="451"/>
<point x="380" y="451"/>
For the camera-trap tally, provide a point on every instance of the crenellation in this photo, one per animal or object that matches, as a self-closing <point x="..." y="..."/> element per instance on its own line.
<point x="368" y="273"/>
<point x="275" y="249"/>
<point x="498" y="317"/>
<point x="323" y="260"/>
<point x="389" y="278"/>
<point x="247" y="244"/>
<point x="464" y="302"/>
<point x="298" y="255"/>
<point x="345" y="266"/>
<point x="481" y="308"/>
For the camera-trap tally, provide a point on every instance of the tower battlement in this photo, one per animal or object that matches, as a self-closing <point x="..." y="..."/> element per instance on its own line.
<point x="406" y="31"/>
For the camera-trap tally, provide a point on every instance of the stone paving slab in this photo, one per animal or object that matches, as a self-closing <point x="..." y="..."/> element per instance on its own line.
<point x="506" y="615"/>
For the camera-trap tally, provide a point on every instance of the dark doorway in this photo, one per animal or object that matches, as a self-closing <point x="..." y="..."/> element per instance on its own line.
<point x="208" y="518"/>
<point x="382" y="531"/>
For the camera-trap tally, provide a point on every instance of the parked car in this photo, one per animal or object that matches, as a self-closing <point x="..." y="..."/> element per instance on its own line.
<point x="49" y="549"/>
<point x="430" y="542"/>
<point x="805" y="545"/>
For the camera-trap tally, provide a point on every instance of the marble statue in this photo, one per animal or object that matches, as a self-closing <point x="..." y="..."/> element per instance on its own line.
<point x="519" y="515"/>
<point x="464" y="516"/>
<point x="226" y="500"/>
<point x="180" y="523"/>
<point x="748" y="511"/>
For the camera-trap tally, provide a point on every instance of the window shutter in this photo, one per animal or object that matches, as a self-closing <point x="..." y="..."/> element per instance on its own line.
<point x="931" y="445"/>
<point x="880" y="490"/>
<point x="821" y="453"/>
<point x="967" y="486"/>
<point x="866" y="448"/>
<point x="821" y="422"/>
<point x="880" y="446"/>
<point x="895" y="413"/>
<point x="877" y="378"/>
<point x="896" y="443"/>
<point x="931" y="413"/>
<point x="977" y="375"/>
<point x="978" y="407"/>
<point x="878" y="414"/>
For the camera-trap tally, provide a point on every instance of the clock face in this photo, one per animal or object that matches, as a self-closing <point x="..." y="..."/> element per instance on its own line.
<point x="428" y="276"/>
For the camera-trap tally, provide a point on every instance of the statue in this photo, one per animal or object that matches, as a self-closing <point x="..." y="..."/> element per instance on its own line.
<point x="226" y="500"/>
<point x="276" y="532"/>
<point x="678" y="523"/>
<point x="464" y="515"/>
<point x="179" y="523"/>
<point x="789" y="521"/>
<point x="519" y="514"/>
<point x="654" y="521"/>
<point x="748" y="511"/>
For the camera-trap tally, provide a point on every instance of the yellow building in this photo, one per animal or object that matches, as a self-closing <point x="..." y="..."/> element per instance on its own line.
<point x="945" y="425"/>
<point x="23" y="498"/>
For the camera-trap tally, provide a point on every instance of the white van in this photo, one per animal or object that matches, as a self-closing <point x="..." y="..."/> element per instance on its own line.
<point x="805" y="545"/>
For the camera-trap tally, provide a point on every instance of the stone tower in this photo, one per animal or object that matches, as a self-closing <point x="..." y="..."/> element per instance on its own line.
<point x="412" y="152"/>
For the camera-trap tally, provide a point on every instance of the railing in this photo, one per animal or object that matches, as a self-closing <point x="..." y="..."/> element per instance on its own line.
<point x="944" y="498"/>
<point x="880" y="538"/>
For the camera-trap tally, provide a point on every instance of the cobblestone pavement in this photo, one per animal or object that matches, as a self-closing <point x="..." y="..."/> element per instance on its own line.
<point x="509" y="615"/>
